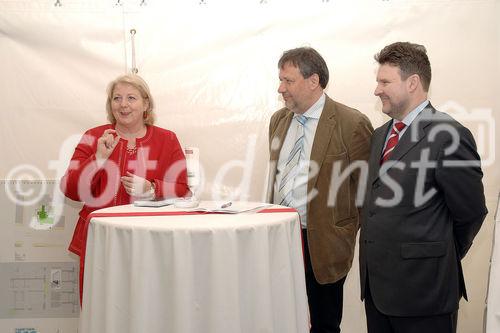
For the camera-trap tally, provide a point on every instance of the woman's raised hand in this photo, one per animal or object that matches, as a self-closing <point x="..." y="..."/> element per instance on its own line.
<point x="106" y="144"/>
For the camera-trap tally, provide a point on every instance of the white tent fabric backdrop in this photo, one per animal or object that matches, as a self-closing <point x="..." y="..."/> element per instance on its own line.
<point x="492" y="322"/>
<point x="212" y="69"/>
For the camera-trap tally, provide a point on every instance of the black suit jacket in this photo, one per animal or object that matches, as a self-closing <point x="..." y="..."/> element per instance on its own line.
<point x="410" y="249"/>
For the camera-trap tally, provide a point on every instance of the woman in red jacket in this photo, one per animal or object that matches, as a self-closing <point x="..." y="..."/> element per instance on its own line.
<point x="125" y="160"/>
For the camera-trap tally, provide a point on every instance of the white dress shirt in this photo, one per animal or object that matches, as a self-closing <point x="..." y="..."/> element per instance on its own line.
<point x="299" y="192"/>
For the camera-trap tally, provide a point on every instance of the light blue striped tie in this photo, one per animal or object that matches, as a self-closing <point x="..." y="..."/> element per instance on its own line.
<point x="292" y="165"/>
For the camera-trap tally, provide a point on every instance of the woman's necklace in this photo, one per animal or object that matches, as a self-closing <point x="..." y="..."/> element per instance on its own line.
<point x="131" y="143"/>
<point x="131" y="150"/>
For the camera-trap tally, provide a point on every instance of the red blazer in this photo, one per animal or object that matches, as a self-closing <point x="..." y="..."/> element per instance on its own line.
<point x="159" y="158"/>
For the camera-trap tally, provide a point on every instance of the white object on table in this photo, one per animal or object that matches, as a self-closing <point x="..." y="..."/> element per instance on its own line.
<point x="210" y="273"/>
<point x="229" y="207"/>
<point x="192" y="167"/>
<point x="193" y="177"/>
<point x="155" y="203"/>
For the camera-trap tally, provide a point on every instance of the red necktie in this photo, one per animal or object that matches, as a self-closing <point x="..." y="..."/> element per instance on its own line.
<point x="393" y="140"/>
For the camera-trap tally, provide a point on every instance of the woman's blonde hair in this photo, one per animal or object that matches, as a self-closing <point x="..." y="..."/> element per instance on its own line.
<point x="138" y="83"/>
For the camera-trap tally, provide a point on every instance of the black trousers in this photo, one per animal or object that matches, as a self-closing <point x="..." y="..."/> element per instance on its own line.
<point x="325" y="300"/>
<point x="377" y="322"/>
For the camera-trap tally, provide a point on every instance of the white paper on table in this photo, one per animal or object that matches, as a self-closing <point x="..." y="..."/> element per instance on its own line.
<point x="229" y="207"/>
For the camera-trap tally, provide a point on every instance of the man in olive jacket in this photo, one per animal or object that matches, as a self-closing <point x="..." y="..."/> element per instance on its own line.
<point x="318" y="149"/>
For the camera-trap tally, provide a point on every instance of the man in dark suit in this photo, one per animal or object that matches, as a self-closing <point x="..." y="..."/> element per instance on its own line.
<point x="313" y="142"/>
<point x="424" y="203"/>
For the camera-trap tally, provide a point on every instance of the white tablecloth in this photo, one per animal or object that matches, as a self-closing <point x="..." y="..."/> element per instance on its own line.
<point x="194" y="273"/>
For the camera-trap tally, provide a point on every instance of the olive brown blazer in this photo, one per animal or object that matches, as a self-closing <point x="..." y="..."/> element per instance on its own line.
<point x="342" y="138"/>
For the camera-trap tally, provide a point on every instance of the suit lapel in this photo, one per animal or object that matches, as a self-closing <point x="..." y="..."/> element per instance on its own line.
<point x="322" y="137"/>
<point x="278" y="135"/>
<point x="414" y="134"/>
<point x="378" y="141"/>
<point x="411" y="137"/>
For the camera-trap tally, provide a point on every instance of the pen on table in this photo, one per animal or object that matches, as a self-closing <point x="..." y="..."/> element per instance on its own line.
<point x="227" y="204"/>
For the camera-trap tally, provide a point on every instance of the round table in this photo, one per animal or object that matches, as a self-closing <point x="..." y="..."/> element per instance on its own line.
<point x="168" y="270"/>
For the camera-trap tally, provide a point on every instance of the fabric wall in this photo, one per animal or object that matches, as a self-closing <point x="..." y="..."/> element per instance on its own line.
<point x="492" y="322"/>
<point x="212" y="69"/>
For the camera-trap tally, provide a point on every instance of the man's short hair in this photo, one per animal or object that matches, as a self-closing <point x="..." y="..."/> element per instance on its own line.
<point x="309" y="62"/>
<point x="410" y="58"/>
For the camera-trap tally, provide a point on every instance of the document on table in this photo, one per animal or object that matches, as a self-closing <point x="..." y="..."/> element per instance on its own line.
<point x="154" y="203"/>
<point x="229" y="207"/>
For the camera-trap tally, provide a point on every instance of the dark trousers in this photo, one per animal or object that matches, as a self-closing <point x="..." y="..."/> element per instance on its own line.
<point x="325" y="300"/>
<point x="377" y="322"/>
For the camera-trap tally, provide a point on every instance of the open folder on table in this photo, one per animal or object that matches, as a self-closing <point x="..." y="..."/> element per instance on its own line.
<point x="229" y="207"/>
